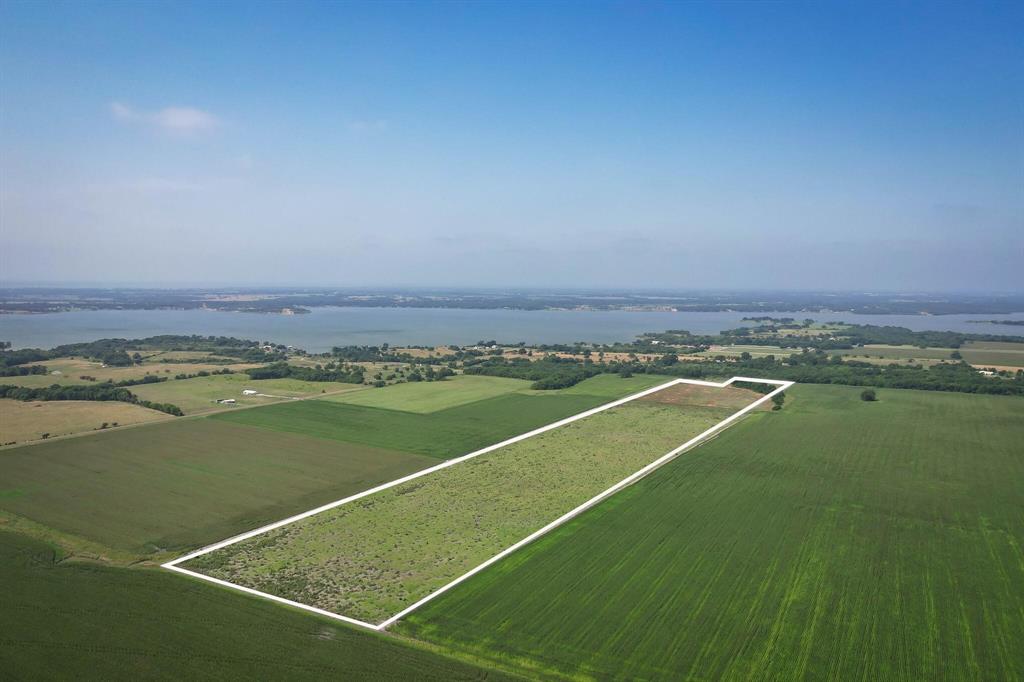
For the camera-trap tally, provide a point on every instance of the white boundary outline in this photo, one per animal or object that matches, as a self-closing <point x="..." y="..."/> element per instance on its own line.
<point x="629" y="480"/>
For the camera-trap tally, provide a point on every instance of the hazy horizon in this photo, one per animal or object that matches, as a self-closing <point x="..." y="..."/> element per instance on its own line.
<point x="657" y="146"/>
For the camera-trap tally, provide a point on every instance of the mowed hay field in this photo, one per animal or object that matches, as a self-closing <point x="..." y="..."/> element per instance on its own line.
<point x="185" y="482"/>
<point x="72" y="620"/>
<point x="373" y="557"/>
<point x="444" y="433"/>
<point x="71" y="371"/>
<point x="27" y="421"/>
<point x="836" y="539"/>
<point x="200" y="394"/>
<point x="995" y="353"/>
<point x="424" y="397"/>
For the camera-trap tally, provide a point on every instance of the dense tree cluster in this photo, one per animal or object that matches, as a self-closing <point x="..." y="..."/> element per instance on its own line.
<point x="124" y="352"/>
<point x="550" y="372"/>
<point x="98" y="392"/>
<point x="811" y="368"/>
<point x="346" y="374"/>
<point x="22" y="371"/>
<point x="850" y="336"/>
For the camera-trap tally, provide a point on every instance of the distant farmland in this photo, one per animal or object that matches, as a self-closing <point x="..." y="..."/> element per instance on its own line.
<point x="834" y="539"/>
<point x="425" y="397"/>
<point x="442" y="433"/>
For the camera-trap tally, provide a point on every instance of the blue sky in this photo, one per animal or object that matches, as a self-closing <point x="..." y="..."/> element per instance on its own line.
<point x="690" y="145"/>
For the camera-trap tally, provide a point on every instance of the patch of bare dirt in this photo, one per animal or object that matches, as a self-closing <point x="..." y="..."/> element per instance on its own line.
<point x="704" y="396"/>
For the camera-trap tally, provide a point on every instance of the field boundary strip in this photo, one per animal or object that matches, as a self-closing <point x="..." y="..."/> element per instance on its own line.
<point x="174" y="565"/>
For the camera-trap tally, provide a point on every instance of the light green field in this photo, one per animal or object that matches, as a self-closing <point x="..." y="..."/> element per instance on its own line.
<point x="198" y="395"/>
<point x="755" y="351"/>
<point x="27" y="421"/>
<point x="371" y="558"/>
<point x="424" y="397"/>
<point x="185" y="482"/>
<point x="833" y="540"/>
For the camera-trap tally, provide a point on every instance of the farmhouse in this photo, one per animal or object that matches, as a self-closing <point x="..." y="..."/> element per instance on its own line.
<point x="248" y="391"/>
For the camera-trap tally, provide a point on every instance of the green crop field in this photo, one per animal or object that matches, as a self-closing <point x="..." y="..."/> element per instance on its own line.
<point x="198" y="395"/>
<point x="185" y="482"/>
<point x="994" y="353"/>
<point x="836" y="539"/>
<point x="445" y="433"/>
<point x="70" y="621"/>
<point x="424" y="397"/>
<point x="371" y="558"/>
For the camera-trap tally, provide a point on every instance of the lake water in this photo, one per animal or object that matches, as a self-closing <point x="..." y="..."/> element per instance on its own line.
<point x="327" y="327"/>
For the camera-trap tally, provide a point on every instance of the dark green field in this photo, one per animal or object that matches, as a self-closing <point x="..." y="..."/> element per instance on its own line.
<point x="185" y="483"/>
<point x="78" y="621"/>
<point x="836" y="539"/>
<point x="443" y="434"/>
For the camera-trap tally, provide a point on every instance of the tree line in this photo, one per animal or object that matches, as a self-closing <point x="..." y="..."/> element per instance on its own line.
<point x="97" y="392"/>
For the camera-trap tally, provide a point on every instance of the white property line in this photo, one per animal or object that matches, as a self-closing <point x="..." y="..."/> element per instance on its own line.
<point x="629" y="480"/>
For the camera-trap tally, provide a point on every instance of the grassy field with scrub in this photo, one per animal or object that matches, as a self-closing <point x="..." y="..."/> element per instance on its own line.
<point x="370" y="558"/>
<point x="22" y="421"/>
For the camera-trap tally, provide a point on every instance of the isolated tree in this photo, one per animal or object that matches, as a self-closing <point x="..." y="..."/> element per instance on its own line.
<point x="868" y="395"/>
<point x="778" y="399"/>
<point x="956" y="355"/>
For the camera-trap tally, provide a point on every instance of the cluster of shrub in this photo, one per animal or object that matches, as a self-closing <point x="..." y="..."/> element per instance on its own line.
<point x="22" y="371"/>
<point x="204" y="373"/>
<point x="430" y="374"/>
<point x="346" y="374"/>
<point x="100" y="392"/>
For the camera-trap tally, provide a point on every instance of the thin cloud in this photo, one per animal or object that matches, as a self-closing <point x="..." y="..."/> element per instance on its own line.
<point x="176" y="120"/>
<point x="367" y="126"/>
